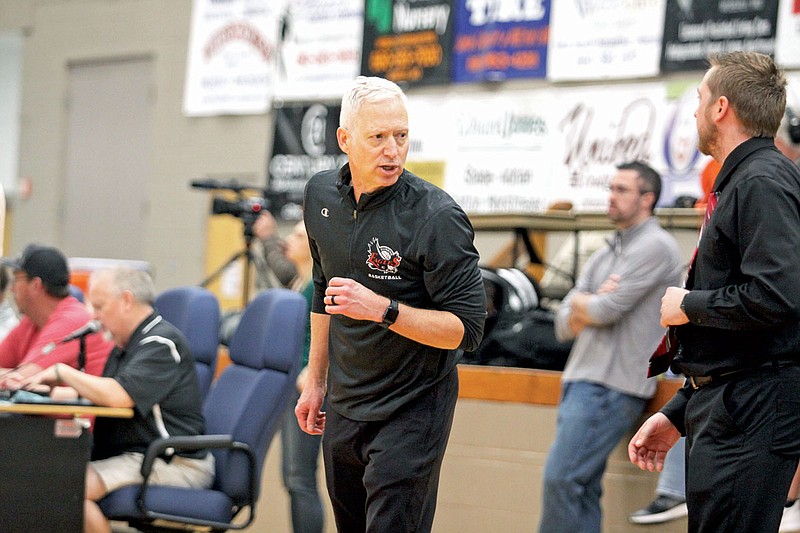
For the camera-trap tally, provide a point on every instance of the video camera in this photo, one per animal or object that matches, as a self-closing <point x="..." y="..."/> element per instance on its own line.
<point x="247" y="208"/>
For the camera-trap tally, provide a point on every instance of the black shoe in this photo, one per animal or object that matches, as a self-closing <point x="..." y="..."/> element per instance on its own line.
<point x="662" y="509"/>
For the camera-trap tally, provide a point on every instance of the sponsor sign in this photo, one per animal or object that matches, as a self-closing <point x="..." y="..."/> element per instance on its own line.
<point x="500" y="39"/>
<point x="231" y="60"/>
<point x="408" y="41"/>
<point x="304" y="143"/>
<point x="693" y="29"/>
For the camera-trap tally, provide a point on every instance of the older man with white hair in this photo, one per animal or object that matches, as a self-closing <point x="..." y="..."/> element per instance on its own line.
<point x="151" y="371"/>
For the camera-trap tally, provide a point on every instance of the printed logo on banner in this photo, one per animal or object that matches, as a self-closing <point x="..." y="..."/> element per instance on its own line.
<point x="304" y="143"/>
<point x="680" y="134"/>
<point x="312" y="129"/>
<point x="680" y="149"/>
<point x="379" y="13"/>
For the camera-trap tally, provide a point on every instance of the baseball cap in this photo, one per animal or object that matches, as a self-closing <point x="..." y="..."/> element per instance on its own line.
<point x="44" y="262"/>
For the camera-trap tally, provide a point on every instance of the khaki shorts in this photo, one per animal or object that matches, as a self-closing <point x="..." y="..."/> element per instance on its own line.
<point x="122" y="470"/>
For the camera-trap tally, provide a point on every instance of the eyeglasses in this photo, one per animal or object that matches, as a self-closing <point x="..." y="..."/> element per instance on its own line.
<point x="617" y="189"/>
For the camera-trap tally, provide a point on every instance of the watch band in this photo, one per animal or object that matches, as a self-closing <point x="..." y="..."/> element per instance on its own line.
<point x="390" y="315"/>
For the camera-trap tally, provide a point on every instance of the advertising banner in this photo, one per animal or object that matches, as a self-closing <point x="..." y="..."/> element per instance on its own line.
<point x="693" y="29"/>
<point x="596" y="39"/>
<point x="11" y="53"/>
<point x="231" y="59"/>
<point x="304" y="143"/>
<point x="408" y="41"/>
<point x="497" y="40"/>
<point x="787" y="39"/>
<point x="520" y="152"/>
<point x="502" y="160"/>
<point x="598" y="128"/>
<point x="793" y="93"/>
<point x="320" y="48"/>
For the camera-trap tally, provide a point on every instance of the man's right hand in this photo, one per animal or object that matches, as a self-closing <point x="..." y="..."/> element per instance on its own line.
<point x="11" y="380"/>
<point x="609" y="285"/>
<point x="649" y="446"/>
<point x="308" y="411"/>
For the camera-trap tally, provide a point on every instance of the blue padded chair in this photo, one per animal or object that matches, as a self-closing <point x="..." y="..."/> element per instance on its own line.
<point x="243" y="411"/>
<point x="195" y="312"/>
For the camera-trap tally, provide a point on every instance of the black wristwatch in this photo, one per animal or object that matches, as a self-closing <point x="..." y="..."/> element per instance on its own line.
<point x="390" y="315"/>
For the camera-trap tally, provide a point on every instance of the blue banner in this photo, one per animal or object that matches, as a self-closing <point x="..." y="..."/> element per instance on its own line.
<point x="497" y="40"/>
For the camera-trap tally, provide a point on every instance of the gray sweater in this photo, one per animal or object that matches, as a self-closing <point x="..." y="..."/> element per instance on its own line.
<point x="615" y="352"/>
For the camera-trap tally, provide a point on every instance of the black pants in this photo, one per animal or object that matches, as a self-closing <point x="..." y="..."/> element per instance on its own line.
<point x="743" y="443"/>
<point x="384" y="476"/>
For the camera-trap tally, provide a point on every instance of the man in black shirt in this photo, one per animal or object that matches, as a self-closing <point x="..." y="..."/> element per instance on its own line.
<point x="738" y="320"/>
<point x="398" y="296"/>
<point x="151" y="371"/>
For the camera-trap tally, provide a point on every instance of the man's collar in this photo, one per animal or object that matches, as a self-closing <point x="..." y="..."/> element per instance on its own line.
<point x="739" y="154"/>
<point x="344" y="183"/>
<point x="143" y="328"/>
<point x="631" y="231"/>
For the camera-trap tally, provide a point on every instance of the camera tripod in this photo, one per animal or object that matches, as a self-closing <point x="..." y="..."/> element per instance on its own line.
<point x="248" y="264"/>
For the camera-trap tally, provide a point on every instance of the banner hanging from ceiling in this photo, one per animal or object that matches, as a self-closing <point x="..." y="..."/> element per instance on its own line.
<point x="787" y="37"/>
<point x="597" y="39"/>
<point x="408" y="41"/>
<point x="231" y="59"/>
<point x="320" y="48"/>
<point x="521" y="151"/>
<point x="304" y="143"/>
<point x="494" y="44"/>
<point x="694" y="29"/>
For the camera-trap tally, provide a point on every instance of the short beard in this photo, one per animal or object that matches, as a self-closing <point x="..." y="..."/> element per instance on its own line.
<point x="707" y="144"/>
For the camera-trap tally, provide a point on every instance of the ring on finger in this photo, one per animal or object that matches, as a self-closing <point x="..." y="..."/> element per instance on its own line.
<point x="333" y="301"/>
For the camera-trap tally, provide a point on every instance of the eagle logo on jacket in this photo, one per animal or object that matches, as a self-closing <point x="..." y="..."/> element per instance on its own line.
<point x="382" y="258"/>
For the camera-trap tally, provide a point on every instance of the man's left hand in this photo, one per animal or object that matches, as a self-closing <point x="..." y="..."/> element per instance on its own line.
<point x="348" y="297"/>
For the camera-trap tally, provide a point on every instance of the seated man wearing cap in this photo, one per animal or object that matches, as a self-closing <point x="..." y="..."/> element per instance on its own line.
<point x="151" y="371"/>
<point x="50" y="313"/>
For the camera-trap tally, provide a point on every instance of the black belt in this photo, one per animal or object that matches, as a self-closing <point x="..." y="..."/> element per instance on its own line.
<point x="700" y="381"/>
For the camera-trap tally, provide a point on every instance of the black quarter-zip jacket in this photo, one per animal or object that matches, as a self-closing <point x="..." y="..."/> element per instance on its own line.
<point x="410" y="242"/>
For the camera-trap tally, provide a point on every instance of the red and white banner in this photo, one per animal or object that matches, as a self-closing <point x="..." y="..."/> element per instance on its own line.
<point x="320" y="52"/>
<point x="232" y="56"/>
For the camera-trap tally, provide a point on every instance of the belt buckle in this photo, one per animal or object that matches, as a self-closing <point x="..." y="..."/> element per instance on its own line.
<point x="699" y="381"/>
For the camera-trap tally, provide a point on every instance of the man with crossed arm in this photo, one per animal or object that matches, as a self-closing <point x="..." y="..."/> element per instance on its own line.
<point x="612" y="312"/>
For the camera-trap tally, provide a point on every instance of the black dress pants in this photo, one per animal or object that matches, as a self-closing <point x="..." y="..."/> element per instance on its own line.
<point x="383" y="476"/>
<point x="743" y="444"/>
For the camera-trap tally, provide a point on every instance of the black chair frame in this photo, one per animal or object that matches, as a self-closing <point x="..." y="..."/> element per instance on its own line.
<point x="163" y="447"/>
